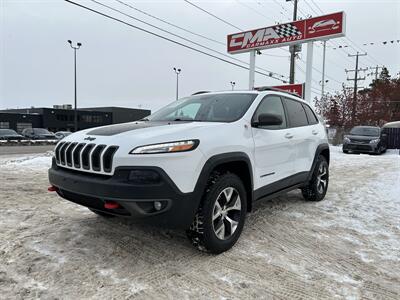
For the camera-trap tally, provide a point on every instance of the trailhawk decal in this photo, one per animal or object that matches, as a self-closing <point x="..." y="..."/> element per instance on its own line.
<point x="296" y="32"/>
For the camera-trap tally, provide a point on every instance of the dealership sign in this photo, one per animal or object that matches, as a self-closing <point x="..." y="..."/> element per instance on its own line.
<point x="318" y="28"/>
<point x="297" y="89"/>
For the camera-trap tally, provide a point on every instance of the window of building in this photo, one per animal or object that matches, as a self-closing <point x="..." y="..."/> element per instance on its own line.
<point x="4" y="125"/>
<point x="22" y="126"/>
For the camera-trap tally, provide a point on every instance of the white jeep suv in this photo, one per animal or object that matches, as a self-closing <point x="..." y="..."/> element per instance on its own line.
<point x="198" y="164"/>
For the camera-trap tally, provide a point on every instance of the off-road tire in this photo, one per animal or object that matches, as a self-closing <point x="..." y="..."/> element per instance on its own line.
<point x="311" y="191"/>
<point x="201" y="233"/>
<point x="345" y="151"/>
<point x="101" y="214"/>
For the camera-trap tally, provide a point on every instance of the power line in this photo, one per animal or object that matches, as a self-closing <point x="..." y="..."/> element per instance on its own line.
<point x="254" y="10"/>
<point x="312" y="9"/>
<point x="207" y="12"/>
<point x="163" y="37"/>
<point x="218" y="18"/>
<point x="179" y="36"/>
<point x="169" y="23"/>
<point x="316" y="5"/>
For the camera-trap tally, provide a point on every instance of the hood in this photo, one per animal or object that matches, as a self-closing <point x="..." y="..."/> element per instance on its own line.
<point x="144" y="133"/>
<point x="362" y="137"/>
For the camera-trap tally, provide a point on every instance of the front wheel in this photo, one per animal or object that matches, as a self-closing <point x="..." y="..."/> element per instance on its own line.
<point x="318" y="185"/>
<point x="219" y="220"/>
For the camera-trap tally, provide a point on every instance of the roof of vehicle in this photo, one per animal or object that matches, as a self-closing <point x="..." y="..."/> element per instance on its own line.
<point x="261" y="90"/>
<point x="395" y="124"/>
<point x="366" y="126"/>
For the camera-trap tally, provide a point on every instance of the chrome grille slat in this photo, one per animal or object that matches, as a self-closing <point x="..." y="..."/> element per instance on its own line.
<point x="68" y="154"/>
<point x="57" y="151"/>
<point x="85" y="156"/>
<point x="96" y="158"/>
<point x="62" y="153"/>
<point x="77" y="155"/>
<point x="108" y="158"/>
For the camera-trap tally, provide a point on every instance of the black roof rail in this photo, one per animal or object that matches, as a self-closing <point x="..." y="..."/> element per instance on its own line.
<point x="200" y="92"/>
<point x="270" y="88"/>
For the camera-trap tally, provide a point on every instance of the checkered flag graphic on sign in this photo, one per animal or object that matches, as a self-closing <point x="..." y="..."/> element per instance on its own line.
<point x="286" y="30"/>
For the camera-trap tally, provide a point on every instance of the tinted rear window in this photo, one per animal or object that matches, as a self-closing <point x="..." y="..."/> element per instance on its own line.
<point x="296" y="114"/>
<point x="312" y="118"/>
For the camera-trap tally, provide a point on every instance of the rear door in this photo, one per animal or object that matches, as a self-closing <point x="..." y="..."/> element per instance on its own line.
<point x="274" y="153"/>
<point x="303" y="139"/>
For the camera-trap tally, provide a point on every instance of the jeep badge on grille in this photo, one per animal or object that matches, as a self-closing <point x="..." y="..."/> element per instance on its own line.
<point x="89" y="138"/>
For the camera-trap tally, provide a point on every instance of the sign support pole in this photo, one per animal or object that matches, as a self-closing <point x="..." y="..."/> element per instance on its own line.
<point x="309" y="66"/>
<point x="252" y="69"/>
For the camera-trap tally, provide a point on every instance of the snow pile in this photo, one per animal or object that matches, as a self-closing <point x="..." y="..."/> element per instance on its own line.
<point x="33" y="162"/>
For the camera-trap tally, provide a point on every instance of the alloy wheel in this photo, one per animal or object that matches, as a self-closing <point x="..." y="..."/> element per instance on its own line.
<point x="226" y="213"/>
<point x="322" y="178"/>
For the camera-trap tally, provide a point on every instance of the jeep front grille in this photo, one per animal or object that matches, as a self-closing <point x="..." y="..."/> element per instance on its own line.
<point x="85" y="157"/>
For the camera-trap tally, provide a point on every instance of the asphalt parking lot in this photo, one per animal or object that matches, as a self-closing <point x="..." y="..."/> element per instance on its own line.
<point x="347" y="246"/>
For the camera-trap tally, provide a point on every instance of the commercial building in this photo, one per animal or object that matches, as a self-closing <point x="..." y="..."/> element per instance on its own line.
<point x="61" y="118"/>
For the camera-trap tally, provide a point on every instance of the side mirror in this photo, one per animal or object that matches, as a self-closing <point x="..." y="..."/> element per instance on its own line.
<point x="268" y="120"/>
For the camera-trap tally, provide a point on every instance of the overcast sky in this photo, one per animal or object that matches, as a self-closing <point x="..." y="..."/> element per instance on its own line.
<point x="121" y="66"/>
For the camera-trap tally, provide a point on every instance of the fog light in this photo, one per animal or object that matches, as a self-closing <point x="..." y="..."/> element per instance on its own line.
<point x="157" y="205"/>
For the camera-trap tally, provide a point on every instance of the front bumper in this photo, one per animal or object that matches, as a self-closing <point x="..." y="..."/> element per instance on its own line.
<point x="136" y="201"/>
<point x="365" y="148"/>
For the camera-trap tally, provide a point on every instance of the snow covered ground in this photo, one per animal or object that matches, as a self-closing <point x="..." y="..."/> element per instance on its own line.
<point x="347" y="246"/>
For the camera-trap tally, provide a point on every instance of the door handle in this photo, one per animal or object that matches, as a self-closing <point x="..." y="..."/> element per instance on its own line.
<point x="288" y="135"/>
<point x="314" y="132"/>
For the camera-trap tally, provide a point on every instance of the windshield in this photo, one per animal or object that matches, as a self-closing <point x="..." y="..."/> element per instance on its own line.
<point x="368" y="131"/>
<point x="206" y="107"/>
<point x="7" y="132"/>
<point x="41" y="131"/>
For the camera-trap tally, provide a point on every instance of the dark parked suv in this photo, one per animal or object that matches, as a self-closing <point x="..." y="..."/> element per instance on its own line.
<point x="366" y="139"/>
<point x="38" y="134"/>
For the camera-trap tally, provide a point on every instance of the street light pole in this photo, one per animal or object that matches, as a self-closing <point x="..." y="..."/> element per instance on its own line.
<point x="78" y="45"/>
<point x="177" y="72"/>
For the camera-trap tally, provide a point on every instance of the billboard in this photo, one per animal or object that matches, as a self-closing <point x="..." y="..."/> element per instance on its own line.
<point x="318" y="28"/>
<point x="297" y="89"/>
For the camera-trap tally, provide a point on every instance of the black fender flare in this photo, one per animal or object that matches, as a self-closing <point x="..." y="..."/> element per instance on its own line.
<point x="318" y="151"/>
<point x="217" y="160"/>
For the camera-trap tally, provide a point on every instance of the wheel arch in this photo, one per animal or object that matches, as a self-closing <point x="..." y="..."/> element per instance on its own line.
<point x="322" y="149"/>
<point x="235" y="162"/>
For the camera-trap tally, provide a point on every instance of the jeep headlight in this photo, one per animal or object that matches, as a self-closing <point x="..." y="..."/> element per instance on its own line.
<point x="374" y="141"/>
<point x="346" y="139"/>
<point x="169" y="147"/>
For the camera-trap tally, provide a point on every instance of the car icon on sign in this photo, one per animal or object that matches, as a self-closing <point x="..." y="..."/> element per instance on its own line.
<point x="324" y="25"/>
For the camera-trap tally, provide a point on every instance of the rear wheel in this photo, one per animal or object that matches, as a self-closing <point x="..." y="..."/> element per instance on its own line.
<point x="219" y="220"/>
<point x="318" y="185"/>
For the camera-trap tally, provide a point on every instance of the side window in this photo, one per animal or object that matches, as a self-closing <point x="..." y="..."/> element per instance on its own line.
<point x="271" y="105"/>
<point x="296" y="114"/>
<point x="312" y="119"/>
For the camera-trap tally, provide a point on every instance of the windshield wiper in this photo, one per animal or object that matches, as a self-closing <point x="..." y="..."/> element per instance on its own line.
<point x="144" y="119"/>
<point x="183" y="120"/>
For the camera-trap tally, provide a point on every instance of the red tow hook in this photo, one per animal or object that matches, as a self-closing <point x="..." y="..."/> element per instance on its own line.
<point x="111" y="205"/>
<point x="52" y="188"/>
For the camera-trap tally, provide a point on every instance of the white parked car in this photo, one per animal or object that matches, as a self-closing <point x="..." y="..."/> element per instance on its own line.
<point x="198" y="164"/>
